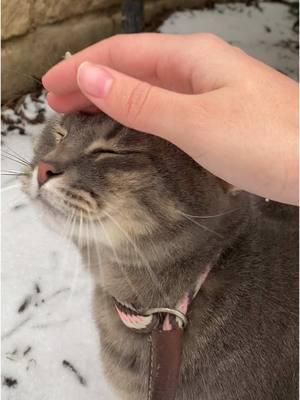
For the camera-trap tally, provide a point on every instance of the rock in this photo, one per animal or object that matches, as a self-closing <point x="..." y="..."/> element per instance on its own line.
<point x="15" y="17"/>
<point x="35" y="53"/>
<point x="48" y="11"/>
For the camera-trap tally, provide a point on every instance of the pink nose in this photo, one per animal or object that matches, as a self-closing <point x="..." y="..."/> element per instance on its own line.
<point x="45" y="172"/>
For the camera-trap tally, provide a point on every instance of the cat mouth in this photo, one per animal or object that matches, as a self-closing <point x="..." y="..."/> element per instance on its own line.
<point x="65" y="212"/>
<point x="47" y="202"/>
<point x="60" y="213"/>
<point x="70" y="222"/>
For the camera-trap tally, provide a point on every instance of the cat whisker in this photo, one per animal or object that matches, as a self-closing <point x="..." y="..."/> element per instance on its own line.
<point x="117" y="259"/>
<point x="13" y="174"/>
<point x="10" y="157"/>
<point x="142" y="257"/>
<point x="11" y="180"/>
<point x="13" y="171"/>
<point x="77" y="267"/>
<point x="89" y="240"/>
<point x="208" y="216"/>
<point x="5" y="189"/>
<point x="17" y="155"/>
<point x="204" y="227"/>
<point x="34" y="78"/>
<point x="98" y="256"/>
<point x="67" y="233"/>
<point x="87" y="225"/>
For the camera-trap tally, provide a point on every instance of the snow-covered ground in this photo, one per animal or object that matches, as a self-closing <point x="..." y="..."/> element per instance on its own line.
<point x="265" y="32"/>
<point x="49" y="340"/>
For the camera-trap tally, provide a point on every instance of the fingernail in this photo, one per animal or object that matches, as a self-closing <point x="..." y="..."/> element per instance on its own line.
<point x="44" y="81"/>
<point x="94" y="79"/>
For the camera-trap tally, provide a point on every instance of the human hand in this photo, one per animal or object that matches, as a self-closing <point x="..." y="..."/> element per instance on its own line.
<point x="234" y="115"/>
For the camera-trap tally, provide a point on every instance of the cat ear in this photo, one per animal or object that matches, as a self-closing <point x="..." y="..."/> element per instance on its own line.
<point x="228" y="188"/>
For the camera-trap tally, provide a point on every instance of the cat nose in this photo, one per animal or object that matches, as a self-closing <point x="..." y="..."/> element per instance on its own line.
<point x="45" y="172"/>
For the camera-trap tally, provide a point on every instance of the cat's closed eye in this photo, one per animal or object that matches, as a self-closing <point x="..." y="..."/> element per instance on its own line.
<point x="100" y="150"/>
<point x="103" y="151"/>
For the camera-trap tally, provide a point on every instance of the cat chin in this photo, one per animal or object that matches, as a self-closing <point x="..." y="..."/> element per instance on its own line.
<point x="56" y="222"/>
<point x="105" y="233"/>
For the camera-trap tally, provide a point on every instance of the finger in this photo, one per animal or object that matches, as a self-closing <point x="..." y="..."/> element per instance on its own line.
<point x="137" y="55"/>
<point x="69" y="102"/>
<point x="123" y="53"/>
<point x="91" y="109"/>
<point x="138" y="104"/>
<point x="174" y="62"/>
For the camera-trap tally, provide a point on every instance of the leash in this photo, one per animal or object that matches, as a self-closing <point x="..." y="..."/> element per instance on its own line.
<point x="165" y="327"/>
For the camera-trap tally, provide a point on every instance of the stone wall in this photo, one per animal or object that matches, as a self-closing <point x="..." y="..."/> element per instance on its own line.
<point x="37" y="33"/>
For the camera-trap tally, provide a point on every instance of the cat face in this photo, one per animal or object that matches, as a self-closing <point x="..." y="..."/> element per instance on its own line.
<point x="88" y="169"/>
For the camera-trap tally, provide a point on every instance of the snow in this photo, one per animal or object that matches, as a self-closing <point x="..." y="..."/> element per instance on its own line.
<point x="46" y="292"/>
<point x="265" y="32"/>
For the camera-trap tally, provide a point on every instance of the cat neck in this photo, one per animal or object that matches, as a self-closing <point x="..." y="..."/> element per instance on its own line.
<point x="152" y="272"/>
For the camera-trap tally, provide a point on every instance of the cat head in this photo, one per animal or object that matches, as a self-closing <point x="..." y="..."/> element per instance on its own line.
<point x="90" y="170"/>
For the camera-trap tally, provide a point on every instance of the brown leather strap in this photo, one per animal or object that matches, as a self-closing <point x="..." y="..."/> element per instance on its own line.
<point x="165" y="359"/>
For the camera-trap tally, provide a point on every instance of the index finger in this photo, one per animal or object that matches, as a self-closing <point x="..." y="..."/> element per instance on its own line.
<point x="165" y="60"/>
<point x="136" y="55"/>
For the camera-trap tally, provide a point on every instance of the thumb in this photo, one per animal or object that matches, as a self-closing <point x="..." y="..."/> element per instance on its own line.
<point x="137" y="104"/>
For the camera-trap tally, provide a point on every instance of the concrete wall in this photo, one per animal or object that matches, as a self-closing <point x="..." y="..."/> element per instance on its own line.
<point x="37" y="33"/>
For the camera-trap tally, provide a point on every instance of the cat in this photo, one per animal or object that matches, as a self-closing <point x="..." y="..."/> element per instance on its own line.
<point x="147" y="220"/>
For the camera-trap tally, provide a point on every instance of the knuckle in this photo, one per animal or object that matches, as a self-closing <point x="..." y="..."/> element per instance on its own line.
<point x="207" y="42"/>
<point x="211" y="38"/>
<point x="115" y="39"/>
<point x="239" y="52"/>
<point x="136" y="101"/>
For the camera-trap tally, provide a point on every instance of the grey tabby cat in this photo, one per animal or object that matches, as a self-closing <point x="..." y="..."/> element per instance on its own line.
<point x="148" y="220"/>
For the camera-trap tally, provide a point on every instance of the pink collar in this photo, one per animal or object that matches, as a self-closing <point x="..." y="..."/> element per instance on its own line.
<point x="164" y="319"/>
